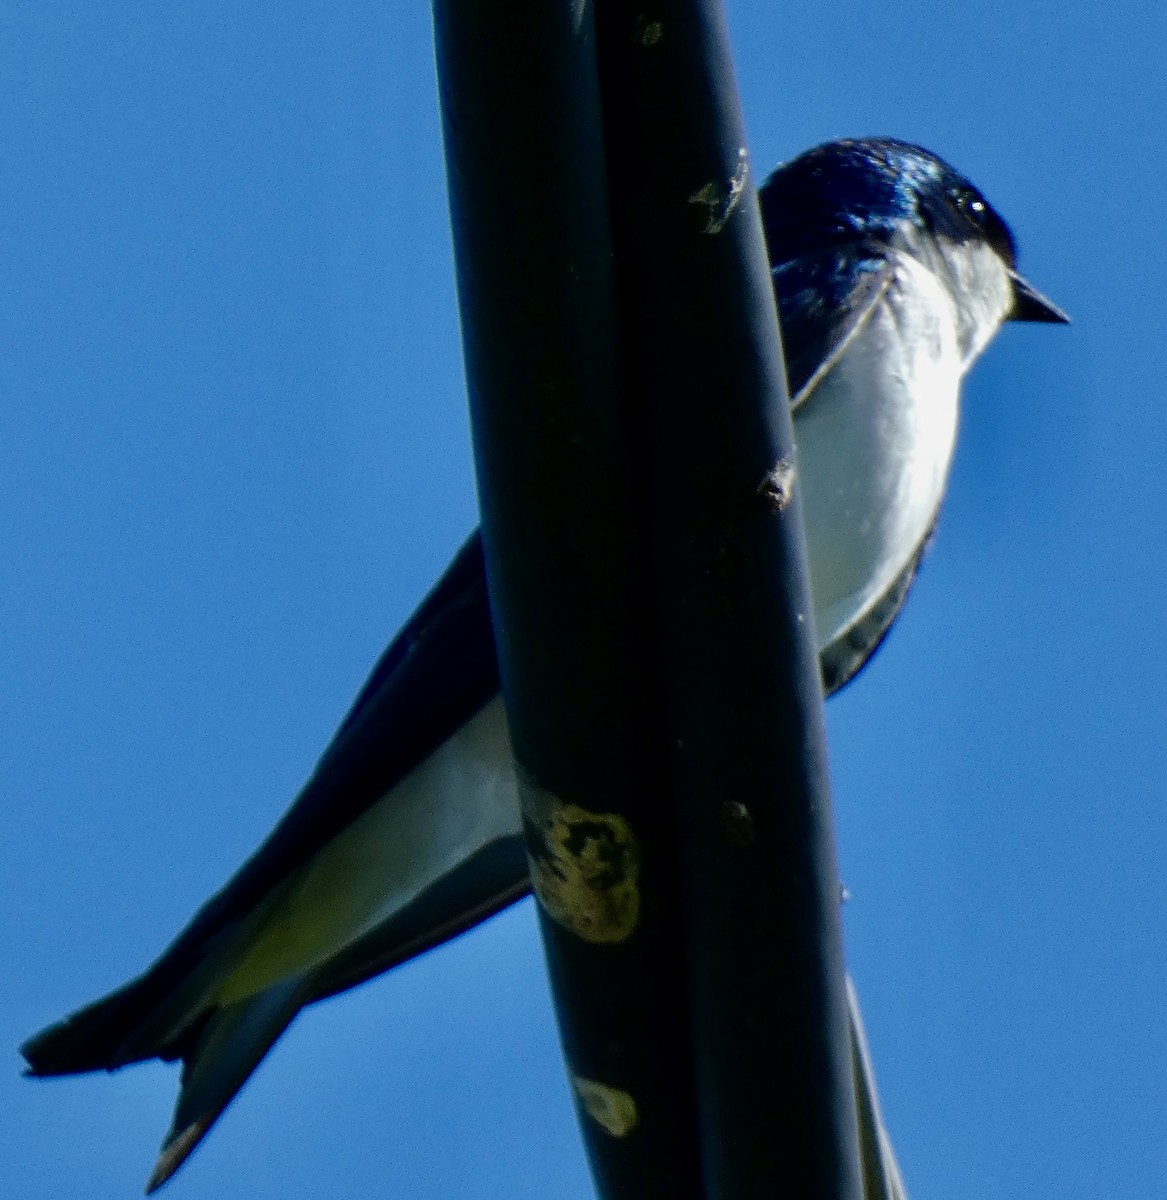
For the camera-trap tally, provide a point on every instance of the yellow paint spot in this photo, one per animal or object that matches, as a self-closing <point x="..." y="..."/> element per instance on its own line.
<point x="720" y="197"/>
<point x="612" y="1109"/>
<point x="585" y="866"/>
<point x="778" y="486"/>
<point x="649" y="32"/>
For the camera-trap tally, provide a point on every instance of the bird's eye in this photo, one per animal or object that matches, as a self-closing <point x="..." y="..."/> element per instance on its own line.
<point x="971" y="206"/>
<point x="974" y="211"/>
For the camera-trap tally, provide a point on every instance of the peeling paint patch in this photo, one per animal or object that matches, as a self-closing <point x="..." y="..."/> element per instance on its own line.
<point x="648" y="33"/>
<point x="579" y="12"/>
<point x="585" y="866"/>
<point x="738" y="823"/>
<point x="778" y="487"/>
<point x="611" y="1108"/>
<point x="721" y="197"/>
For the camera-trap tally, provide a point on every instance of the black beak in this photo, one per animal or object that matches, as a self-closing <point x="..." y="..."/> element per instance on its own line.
<point x="1030" y="305"/>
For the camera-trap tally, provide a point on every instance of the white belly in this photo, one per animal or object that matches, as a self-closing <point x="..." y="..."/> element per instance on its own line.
<point x="873" y="453"/>
<point x="458" y="800"/>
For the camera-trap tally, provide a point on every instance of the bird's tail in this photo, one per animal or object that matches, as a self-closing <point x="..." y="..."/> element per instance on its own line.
<point x="219" y="1045"/>
<point x="230" y="1044"/>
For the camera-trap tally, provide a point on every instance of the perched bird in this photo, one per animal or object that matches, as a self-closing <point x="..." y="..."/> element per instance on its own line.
<point x="892" y="273"/>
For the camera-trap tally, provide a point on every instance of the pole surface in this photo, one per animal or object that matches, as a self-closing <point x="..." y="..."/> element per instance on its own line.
<point x="646" y="574"/>
<point x="744" y="723"/>
<point x="555" y="454"/>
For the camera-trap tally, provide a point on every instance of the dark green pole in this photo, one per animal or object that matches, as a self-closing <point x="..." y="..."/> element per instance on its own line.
<point x="744" y="723"/>
<point x="645" y="568"/>
<point x="555" y="447"/>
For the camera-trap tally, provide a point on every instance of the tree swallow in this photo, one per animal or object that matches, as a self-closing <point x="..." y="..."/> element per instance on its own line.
<point x="891" y="273"/>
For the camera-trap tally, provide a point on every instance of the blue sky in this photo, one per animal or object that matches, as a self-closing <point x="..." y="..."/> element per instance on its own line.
<point x="234" y="453"/>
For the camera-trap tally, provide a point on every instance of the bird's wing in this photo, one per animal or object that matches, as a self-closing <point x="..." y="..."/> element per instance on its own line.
<point x="223" y="1050"/>
<point x="220" y="1051"/>
<point x="821" y="309"/>
<point x="436" y="674"/>
<point x="439" y="671"/>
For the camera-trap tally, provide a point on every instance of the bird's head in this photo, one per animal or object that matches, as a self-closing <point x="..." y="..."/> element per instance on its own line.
<point x="894" y="195"/>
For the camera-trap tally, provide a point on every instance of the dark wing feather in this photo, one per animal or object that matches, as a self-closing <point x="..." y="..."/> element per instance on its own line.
<point x="439" y="671"/>
<point x="821" y="309"/>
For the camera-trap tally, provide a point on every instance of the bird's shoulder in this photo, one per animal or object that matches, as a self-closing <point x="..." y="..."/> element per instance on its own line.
<point x="825" y="298"/>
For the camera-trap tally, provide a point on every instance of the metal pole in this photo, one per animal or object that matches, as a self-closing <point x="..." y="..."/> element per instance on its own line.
<point x="758" y="880"/>
<point x="554" y="446"/>
<point x="645" y="568"/>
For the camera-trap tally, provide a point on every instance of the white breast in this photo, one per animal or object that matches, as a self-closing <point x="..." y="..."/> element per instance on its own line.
<point x="874" y="442"/>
